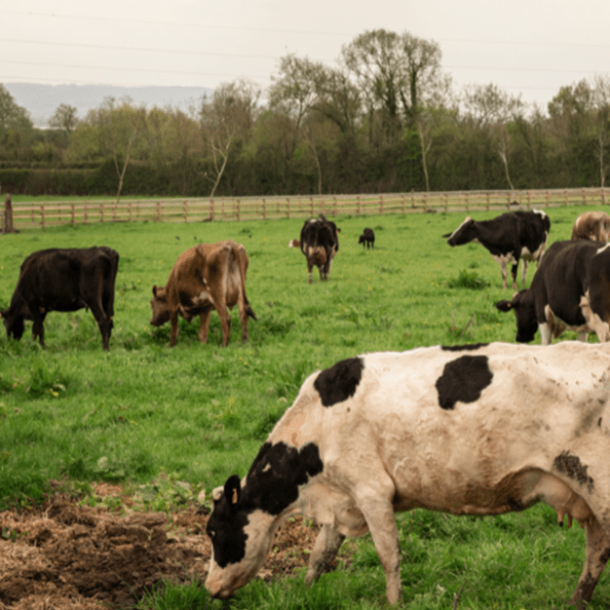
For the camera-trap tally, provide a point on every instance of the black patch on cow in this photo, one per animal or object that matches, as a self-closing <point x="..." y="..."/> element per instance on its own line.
<point x="571" y="466"/>
<point x="339" y="382"/>
<point x="463" y="380"/>
<point x="276" y="473"/>
<point x="272" y="485"/>
<point x="185" y="299"/>
<point x="463" y="348"/>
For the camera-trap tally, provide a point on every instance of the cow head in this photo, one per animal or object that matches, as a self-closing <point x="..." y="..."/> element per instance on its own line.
<point x="13" y="322"/>
<point x="463" y="234"/>
<point x="241" y="540"/>
<point x="160" y="310"/>
<point x="525" y="312"/>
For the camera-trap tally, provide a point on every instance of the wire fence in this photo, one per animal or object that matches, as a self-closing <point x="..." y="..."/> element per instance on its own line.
<point x="224" y="209"/>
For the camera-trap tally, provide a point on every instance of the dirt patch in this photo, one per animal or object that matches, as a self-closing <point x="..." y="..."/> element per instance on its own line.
<point x="64" y="556"/>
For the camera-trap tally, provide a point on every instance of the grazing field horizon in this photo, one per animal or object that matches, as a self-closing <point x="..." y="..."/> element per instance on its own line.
<point x="169" y="423"/>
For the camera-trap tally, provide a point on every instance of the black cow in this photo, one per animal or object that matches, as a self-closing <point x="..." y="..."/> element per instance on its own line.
<point x="64" y="280"/>
<point x="571" y="290"/>
<point x="319" y="243"/>
<point x="508" y="237"/>
<point x="367" y="238"/>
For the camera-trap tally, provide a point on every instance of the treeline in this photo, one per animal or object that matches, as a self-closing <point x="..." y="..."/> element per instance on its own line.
<point x="384" y="118"/>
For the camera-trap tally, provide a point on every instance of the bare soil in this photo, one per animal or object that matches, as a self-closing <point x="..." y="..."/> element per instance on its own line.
<point x="65" y="556"/>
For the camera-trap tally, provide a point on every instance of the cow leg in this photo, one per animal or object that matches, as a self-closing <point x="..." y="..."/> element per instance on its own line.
<point x="38" y="328"/>
<point x="583" y="336"/>
<point x="325" y="549"/>
<point x="225" y="321"/>
<point x="546" y="335"/>
<point x="379" y="515"/>
<point x="309" y="269"/>
<point x="204" y="325"/>
<point x="513" y="272"/>
<point x="597" y="554"/>
<point x="523" y="273"/>
<point x="173" y="333"/>
<point x="104" y="323"/>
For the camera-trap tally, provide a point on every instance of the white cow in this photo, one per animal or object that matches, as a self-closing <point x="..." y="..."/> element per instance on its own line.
<point x="447" y="429"/>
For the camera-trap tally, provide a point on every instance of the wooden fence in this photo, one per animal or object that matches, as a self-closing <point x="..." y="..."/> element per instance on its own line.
<point x="33" y="214"/>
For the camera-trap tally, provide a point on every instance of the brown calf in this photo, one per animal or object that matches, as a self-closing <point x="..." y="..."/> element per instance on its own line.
<point x="205" y="277"/>
<point x="592" y="225"/>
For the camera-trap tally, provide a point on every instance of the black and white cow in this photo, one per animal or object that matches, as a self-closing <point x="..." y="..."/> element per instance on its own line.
<point x="64" y="280"/>
<point x="508" y="237"/>
<point x="319" y="243"/>
<point x="446" y="429"/>
<point x="571" y="290"/>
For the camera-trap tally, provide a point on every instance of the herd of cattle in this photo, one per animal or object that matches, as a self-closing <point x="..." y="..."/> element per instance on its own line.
<point x="473" y="429"/>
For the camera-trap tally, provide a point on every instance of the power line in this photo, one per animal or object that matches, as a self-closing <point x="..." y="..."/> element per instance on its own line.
<point x="139" y="49"/>
<point x="121" y="69"/>
<point x="175" y="24"/>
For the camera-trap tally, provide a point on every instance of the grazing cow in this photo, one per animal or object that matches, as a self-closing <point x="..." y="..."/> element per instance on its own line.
<point x="319" y="243"/>
<point x="204" y="278"/>
<point x="64" y="280"/>
<point x="571" y="290"/>
<point x="446" y="429"/>
<point x="508" y="237"/>
<point x="592" y="225"/>
<point x="367" y="238"/>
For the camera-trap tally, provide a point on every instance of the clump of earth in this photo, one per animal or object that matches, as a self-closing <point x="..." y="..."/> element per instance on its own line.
<point x="64" y="555"/>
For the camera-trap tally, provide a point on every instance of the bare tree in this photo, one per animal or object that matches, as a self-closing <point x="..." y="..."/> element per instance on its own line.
<point x="64" y="119"/>
<point x="226" y="117"/>
<point x="493" y="109"/>
<point x="601" y="108"/>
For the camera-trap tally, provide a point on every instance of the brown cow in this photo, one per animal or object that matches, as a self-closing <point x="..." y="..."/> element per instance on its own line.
<point x="205" y="277"/>
<point x="592" y="225"/>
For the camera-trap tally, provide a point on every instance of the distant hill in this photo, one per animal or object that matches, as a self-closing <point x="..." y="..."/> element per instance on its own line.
<point x="41" y="101"/>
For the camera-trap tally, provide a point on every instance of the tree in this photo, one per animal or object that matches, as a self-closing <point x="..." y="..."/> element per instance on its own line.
<point x="493" y="109"/>
<point x="226" y="118"/>
<point x="601" y="109"/>
<point x="110" y="131"/>
<point x="64" y="119"/>
<point x="16" y="127"/>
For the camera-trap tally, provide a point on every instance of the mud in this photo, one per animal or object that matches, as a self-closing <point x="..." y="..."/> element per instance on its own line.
<point x="65" y="556"/>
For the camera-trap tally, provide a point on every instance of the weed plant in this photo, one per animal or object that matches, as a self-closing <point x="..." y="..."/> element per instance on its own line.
<point x="156" y="419"/>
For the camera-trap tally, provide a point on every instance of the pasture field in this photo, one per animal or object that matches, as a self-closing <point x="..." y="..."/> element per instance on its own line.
<point x="169" y="423"/>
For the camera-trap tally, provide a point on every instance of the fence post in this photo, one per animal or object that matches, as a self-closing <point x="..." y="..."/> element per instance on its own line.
<point x="467" y="200"/>
<point x="335" y="206"/>
<point x="566" y="196"/>
<point x="7" y="225"/>
<point x="446" y="202"/>
<point x="488" y="196"/>
<point x="287" y="207"/>
<point x="265" y="210"/>
<point x="425" y="201"/>
<point x="603" y="195"/>
<point x="186" y="212"/>
<point x="73" y="220"/>
<point x="130" y="211"/>
<point x="311" y="201"/>
<point x="102" y="212"/>
<point x="381" y="204"/>
<point x="548" y="199"/>
<point x="528" y="199"/>
<point x="238" y="211"/>
<point x="403" y="203"/>
<point x="42" y="215"/>
<point x="584" y="197"/>
<point x="212" y="210"/>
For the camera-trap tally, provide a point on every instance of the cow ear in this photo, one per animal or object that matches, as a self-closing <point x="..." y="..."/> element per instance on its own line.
<point x="233" y="490"/>
<point x="505" y="305"/>
<point x="446" y="235"/>
<point x="155" y="290"/>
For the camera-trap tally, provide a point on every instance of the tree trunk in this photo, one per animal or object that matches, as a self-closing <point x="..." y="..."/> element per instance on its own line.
<point x="7" y="226"/>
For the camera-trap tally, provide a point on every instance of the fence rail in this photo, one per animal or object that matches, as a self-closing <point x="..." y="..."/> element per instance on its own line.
<point x="34" y="214"/>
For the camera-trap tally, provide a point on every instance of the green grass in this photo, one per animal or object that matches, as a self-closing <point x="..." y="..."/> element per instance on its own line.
<point x="149" y="416"/>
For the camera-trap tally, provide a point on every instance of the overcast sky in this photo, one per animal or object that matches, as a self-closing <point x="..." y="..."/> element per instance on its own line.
<point x="526" y="47"/>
